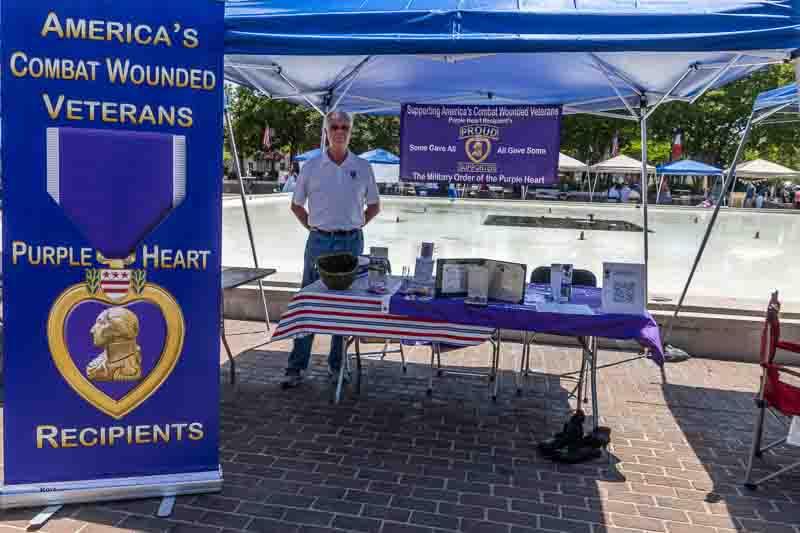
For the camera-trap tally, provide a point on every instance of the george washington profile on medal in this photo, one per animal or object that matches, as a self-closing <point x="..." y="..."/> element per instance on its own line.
<point x="116" y="330"/>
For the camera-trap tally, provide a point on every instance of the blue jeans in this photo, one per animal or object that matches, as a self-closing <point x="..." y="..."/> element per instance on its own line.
<point x="316" y="245"/>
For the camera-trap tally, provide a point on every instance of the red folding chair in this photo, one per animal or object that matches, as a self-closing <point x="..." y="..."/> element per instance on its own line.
<point x="777" y="397"/>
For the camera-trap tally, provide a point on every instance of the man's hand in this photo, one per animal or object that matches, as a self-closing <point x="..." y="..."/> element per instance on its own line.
<point x="301" y="214"/>
<point x="371" y="212"/>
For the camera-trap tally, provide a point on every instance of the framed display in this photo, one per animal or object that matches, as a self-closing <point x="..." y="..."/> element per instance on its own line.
<point x="506" y="280"/>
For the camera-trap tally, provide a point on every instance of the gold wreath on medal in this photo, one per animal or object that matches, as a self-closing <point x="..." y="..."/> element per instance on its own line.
<point x="115" y="331"/>
<point x="478" y="148"/>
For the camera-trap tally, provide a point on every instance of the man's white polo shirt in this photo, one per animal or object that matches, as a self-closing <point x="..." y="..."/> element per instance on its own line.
<point x="336" y="194"/>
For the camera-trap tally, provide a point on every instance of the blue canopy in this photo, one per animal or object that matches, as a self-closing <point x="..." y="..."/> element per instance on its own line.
<point x="305" y="156"/>
<point x="776" y="97"/>
<point x="370" y="56"/>
<point x="381" y="156"/>
<point x="688" y="167"/>
<point x="777" y="106"/>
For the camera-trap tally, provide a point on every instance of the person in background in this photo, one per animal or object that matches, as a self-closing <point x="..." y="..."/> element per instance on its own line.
<point x="665" y="196"/>
<point x="749" y="195"/>
<point x="760" y="194"/>
<point x="341" y="196"/>
<point x="291" y="178"/>
<point x="625" y="193"/>
<point x="613" y="193"/>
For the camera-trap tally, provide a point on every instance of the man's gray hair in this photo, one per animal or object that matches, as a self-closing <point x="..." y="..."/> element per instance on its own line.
<point x="339" y="115"/>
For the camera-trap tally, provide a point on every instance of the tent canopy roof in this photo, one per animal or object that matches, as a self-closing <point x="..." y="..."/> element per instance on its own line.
<point x="776" y="97"/>
<point x="761" y="168"/>
<point x="370" y="56"/>
<point x="381" y="156"/>
<point x="570" y="164"/>
<point x="305" y="156"/>
<point x="688" y="167"/>
<point x="622" y="164"/>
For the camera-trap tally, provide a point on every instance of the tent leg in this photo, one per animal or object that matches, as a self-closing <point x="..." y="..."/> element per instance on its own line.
<point x="238" y="167"/>
<point x="723" y="191"/>
<point x="643" y="128"/>
<point x="660" y="183"/>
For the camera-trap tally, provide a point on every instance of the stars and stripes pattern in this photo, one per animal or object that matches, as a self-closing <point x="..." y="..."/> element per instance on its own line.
<point x="115" y="283"/>
<point x="364" y="316"/>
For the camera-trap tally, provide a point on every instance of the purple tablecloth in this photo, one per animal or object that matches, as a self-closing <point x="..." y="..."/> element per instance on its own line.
<point x="643" y="329"/>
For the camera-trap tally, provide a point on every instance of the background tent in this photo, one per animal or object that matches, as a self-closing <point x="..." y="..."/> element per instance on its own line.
<point x="622" y="164"/>
<point x="686" y="167"/>
<point x="385" y="165"/>
<point x="570" y="164"/>
<point x="763" y="169"/>
<point x="305" y="156"/>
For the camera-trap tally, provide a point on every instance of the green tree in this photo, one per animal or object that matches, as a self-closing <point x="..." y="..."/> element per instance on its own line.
<point x="712" y="127"/>
<point x="251" y="113"/>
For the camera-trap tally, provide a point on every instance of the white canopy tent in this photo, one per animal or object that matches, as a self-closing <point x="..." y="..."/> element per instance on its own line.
<point x="763" y="169"/>
<point x="570" y="164"/>
<point x="386" y="174"/>
<point x="621" y="164"/>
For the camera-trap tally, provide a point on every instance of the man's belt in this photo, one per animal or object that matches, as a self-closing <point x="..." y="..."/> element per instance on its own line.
<point x="337" y="232"/>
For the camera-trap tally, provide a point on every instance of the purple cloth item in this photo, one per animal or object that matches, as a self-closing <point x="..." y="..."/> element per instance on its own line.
<point x="642" y="329"/>
<point x="115" y="186"/>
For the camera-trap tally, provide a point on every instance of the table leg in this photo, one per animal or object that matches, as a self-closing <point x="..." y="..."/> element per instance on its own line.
<point x="266" y="308"/>
<point x="496" y="369"/>
<point x="343" y="367"/>
<point x="584" y="359"/>
<point x="439" y="371"/>
<point x="593" y="370"/>
<point x="522" y="360"/>
<point x="434" y="346"/>
<point x="231" y="362"/>
<point x="358" y="365"/>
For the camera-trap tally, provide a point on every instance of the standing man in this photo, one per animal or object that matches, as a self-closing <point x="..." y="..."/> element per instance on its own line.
<point x="342" y="197"/>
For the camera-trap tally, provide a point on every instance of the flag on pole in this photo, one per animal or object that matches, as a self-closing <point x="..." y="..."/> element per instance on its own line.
<point x="677" y="145"/>
<point x="615" y="144"/>
<point x="266" y="140"/>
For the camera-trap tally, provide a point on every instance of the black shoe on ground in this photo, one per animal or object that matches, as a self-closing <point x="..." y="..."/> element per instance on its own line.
<point x="571" y="434"/>
<point x="292" y="378"/>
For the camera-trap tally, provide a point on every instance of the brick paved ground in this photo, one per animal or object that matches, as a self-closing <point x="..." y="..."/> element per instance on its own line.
<point x="395" y="461"/>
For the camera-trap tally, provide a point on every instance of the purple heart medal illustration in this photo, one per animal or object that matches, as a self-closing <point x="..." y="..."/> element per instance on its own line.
<point x="115" y="338"/>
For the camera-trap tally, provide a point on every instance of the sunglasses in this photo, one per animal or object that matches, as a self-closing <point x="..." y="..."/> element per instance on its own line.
<point x="336" y="128"/>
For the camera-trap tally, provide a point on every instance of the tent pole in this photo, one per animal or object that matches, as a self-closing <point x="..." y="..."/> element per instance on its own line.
<point x="722" y="193"/>
<point x="658" y="190"/>
<point x="643" y="128"/>
<point x="246" y="211"/>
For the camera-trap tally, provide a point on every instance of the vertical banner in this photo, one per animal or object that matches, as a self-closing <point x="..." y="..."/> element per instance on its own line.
<point x="112" y="164"/>
<point x="501" y="145"/>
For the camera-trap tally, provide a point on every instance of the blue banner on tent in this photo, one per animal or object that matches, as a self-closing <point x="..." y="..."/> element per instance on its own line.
<point x="112" y="135"/>
<point x="501" y="145"/>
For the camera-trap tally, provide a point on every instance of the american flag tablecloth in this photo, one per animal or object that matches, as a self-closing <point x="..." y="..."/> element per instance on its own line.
<point x="357" y="312"/>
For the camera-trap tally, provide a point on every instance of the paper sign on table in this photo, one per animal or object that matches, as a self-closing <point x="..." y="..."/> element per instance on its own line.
<point x="623" y="288"/>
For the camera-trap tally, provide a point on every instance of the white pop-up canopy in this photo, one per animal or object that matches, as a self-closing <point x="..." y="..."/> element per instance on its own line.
<point x="621" y="164"/>
<point x="763" y="169"/>
<point x="570" y="164"/>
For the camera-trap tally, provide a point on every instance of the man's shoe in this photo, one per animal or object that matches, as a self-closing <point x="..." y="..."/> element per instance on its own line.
<point x="293" y="378"/>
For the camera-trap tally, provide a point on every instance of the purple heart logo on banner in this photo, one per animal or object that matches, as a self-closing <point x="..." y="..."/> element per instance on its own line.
<point x="115" y="186"/>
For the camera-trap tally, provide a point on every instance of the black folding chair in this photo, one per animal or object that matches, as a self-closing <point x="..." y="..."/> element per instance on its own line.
<point x="541" y="275"/>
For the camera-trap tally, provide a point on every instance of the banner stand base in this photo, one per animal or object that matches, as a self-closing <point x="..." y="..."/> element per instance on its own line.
<point x="97" y="490"/>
